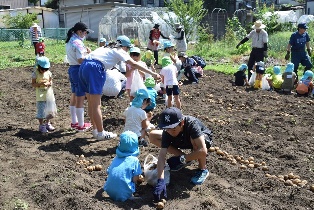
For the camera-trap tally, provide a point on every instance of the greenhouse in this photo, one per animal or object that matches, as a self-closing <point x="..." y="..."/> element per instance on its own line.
<point x="136" y="23"/>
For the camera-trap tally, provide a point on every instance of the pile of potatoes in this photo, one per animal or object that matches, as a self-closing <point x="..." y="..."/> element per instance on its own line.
<point x="236" y="159"/>
<point x="289" y="179"/>
<point x="88" y="164"/>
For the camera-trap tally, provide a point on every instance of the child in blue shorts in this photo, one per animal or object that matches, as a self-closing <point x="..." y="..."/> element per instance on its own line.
<point x="125" y="169"/>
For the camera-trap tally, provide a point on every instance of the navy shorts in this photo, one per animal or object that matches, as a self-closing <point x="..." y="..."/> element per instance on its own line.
<point x="258" y="71"/>
<point x="92" y="77"/>
<point x="172" y="90"/>
<point x="74" y="80"/>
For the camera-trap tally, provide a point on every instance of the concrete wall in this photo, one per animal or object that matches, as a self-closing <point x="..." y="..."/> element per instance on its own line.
<point x="15" y="3"/>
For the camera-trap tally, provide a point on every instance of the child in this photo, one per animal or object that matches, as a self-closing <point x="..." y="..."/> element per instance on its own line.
<point x="41" y="80"/>
<point x="103" y="42"/>
<point x="259" y="68"/>
<point x="169" y="78"/>
<point x="125" y="169"/>
<point x="190" y="68"/>
<point x="135" y="54"/>
<point x="289" y="78"/>
<point x="305" y="85"/>
<point x="40" y="47"/>
<point x="150" y="84"/>
<point x="240" y="76"/>
<point x="135" y="116"/>
<point x="276" y="80"/>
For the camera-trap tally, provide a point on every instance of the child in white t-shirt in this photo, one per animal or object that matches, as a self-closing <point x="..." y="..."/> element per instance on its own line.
<point x="169" y="78"/>
<point x="135" y="117"/>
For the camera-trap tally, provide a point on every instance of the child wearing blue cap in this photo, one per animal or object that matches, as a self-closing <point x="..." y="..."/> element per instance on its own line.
<point x="240" y="76"/>
<point x="41" y="80"/>
<point x="135" y="117"/>
<point x="150" y="83"/>
<point x="125" y="169"/>
<point x="275" y="81"/>
<point x="289" y="77"/>
<point x="305" y="85"/>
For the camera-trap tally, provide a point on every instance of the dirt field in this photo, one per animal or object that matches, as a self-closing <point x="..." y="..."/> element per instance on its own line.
<point x="40" y="172"/>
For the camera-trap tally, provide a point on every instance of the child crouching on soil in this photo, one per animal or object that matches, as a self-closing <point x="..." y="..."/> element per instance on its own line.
<point x="259" y="68"/>
<point x="41" y="80"/>
<point x="125" y="169"/>
<point x="289" y="78"/>
<point x="240" y="76"/>
<point x="150" y="84"/>
<point x="305" y="85"/>
<point x="135" y="116"/>
<point x="275" y="81"/>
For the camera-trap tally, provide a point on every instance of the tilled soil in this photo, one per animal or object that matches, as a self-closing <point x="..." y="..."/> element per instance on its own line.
<point x="41" y="172"/>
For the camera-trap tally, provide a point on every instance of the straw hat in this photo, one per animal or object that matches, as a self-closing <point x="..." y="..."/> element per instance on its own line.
<point x="258" y="25"/>
<point x="35" y="25"/>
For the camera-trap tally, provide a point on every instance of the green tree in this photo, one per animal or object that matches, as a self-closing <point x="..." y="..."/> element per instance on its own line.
<point x="52" y="4"/>
<point x="22" y="21"/>
<point x="188" y="14"/>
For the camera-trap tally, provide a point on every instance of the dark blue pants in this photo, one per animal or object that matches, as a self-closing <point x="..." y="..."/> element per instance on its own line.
<point x="256" y="55"/>
<point x="191" y="74"/>
<point x="298" y="57"/>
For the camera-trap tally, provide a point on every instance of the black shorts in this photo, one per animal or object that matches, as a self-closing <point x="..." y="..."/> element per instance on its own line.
<point x="260" y="71"/>
<point x="172" y="90"/>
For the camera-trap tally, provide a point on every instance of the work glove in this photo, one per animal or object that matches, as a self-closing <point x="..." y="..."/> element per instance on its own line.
<point x="265" y="54"/>
<point x="287" y="57"/>
<point x="309" y="52"/>
<point x="238" y="45"/>
<point x="173" y="162"/>
<point x="158" y="189"/>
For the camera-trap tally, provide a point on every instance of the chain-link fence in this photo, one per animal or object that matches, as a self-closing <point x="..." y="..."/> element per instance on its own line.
<point x="24" y="34"/>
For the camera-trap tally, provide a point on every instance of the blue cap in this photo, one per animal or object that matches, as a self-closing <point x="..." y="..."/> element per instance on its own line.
<point x="303" y="25"/>
<point x="243" y="67"/>
<point x="102" y="40"/>
<point x="276" y="70"/>
<point x="124" y="41"/>
<point x="128" y="145"/>
<point x="43" y="62"/>
<point x="307" y="74"/>
<point x="290" y="67"/>
<point x="168" y="44"/>
<point x="140" y="95"/>
<point x="135" y="49"/>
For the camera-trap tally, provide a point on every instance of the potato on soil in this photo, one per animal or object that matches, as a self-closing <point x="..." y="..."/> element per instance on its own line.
<point x="160" y="205"/>
<point x="98" y="167"/>
<point x="242" y="167"/>
<point x="211" y="149"/>
<point x="312" y="188"/>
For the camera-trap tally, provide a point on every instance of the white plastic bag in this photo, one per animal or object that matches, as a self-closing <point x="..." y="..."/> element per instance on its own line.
<point x="51" y="107"/>
<point x="265" y="84"/>
<point x="137" y="83"/>
<point x="150" y="170"/>
<point x="252" y="78"/>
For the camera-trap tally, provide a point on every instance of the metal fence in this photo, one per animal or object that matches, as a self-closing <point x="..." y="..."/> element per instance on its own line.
<point x="22" y="34"/>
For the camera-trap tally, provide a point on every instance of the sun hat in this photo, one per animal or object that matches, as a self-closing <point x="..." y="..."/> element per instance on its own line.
<point x="303" y="25"/>
<point x="156" y="25"/>
<point x="102" y="40"/>
<point x="258" y="25"/>
<point x="165" y="61"/>
<point x="168" y="44"/>
<point x="135" y="50"/>
<point x="170" y="118"/>
<point x="43" y="62"/>
<point x="276" y="70"/>
<point x="178" y="26"/>
<point x="140" y="95"/>
<point x="34" y="25"/>
<point x="82" y="26"/>
<point x="124" y="41"/>
<point x="148" y="54"/>
<point x="150" y="82"/>
<point x="307" y="74"/>
<point x="243" y="67"/>
<point x="182" y="54"/>
<point x="128" y="145"/>
<point x="289" y="67"/>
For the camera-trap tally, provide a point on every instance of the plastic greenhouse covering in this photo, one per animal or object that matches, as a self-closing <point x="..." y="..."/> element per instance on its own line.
<point x="135" y="22"/>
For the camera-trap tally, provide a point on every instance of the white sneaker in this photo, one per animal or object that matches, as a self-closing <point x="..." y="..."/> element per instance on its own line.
<point x="106" y="135"/>
<point x="95" y="133"/>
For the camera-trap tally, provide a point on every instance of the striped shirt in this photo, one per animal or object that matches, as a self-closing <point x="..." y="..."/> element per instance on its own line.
<point x="33" y="34"/>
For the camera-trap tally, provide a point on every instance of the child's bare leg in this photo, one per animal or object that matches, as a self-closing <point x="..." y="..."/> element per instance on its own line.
<point x="169" y="102"/>
<point x="177" y="101"/>
<point x="149" y="115"/>
<point x="41" y="121"/>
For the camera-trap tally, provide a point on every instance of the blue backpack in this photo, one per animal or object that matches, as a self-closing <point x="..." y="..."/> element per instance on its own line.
<point x="199" y="60"/>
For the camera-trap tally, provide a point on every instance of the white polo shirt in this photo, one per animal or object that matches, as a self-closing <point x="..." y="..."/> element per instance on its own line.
<point x="170" y="75"/>
<point x="75" y="49"/>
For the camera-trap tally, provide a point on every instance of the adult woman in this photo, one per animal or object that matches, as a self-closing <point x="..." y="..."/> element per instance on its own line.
<point x="92" y="76"/>
<point x="153" y="42"/>
<point x="35" y="32"/>
<point x="180" y="38"/>
<point x="76" y="52"/>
